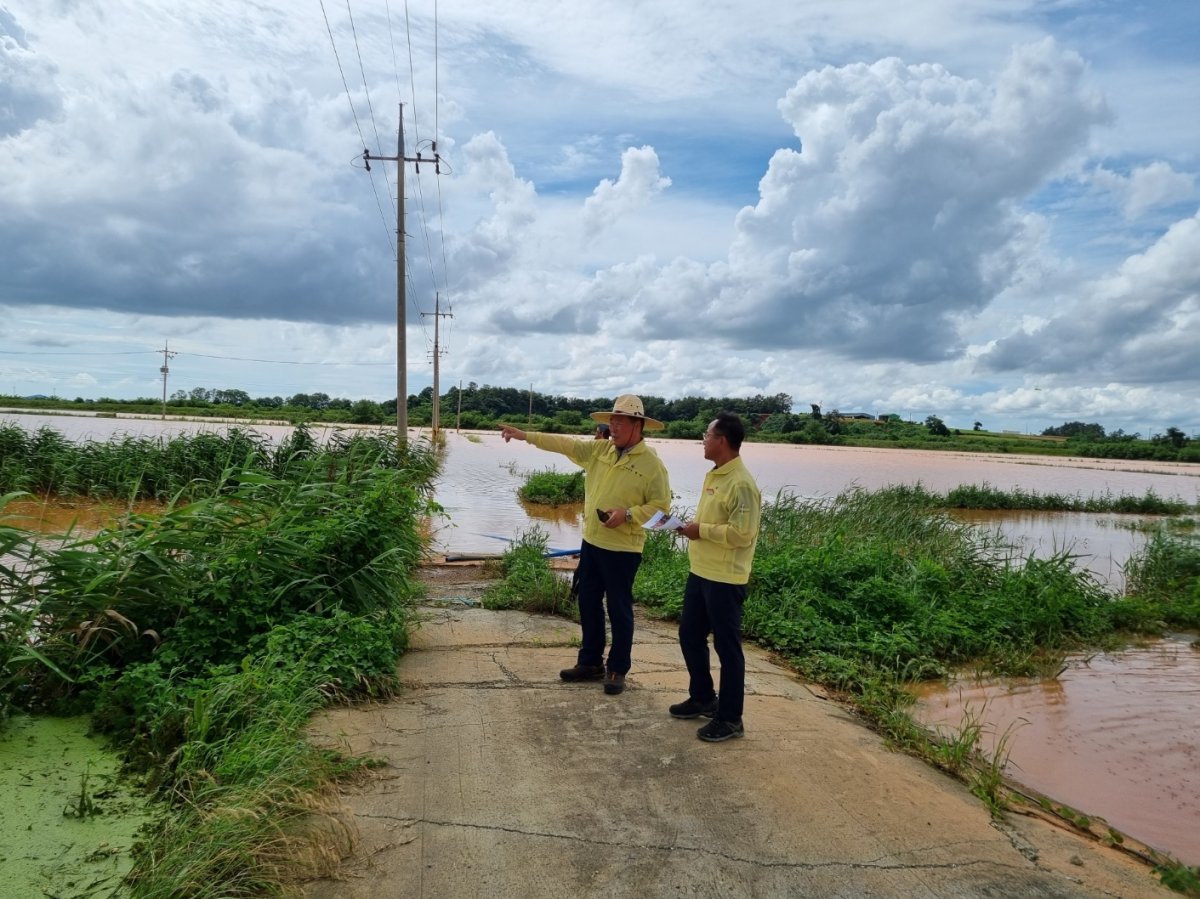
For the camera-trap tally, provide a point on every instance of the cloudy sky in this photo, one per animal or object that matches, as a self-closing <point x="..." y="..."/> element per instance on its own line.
<point x="985" y="210"/>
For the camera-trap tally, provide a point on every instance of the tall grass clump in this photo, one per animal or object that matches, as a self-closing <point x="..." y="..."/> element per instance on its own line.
<point x="871" y="589"/>
<point x="528" y="582"/>
<point x="161" y="468"/>
<point x="201" y="639"/>
<point x="1162" y="583"/>
<point x="552" y="488"/>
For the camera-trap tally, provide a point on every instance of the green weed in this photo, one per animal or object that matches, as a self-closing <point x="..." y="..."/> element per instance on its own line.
<point x="528" y="582"/>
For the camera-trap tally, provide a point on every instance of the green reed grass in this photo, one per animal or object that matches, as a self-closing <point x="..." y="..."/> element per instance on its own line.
<point x="984" y="496"/>
<point x="883" y="582"/>
<point x="552" y="488"/>
<point x="528" y="582"/>
<point x="203" y="638"/>
<point x="162" y="468"/>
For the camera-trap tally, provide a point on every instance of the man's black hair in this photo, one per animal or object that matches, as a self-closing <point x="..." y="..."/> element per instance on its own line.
<point x="729" y="425"/>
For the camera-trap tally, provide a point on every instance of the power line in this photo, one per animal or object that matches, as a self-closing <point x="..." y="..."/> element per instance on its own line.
<point x="40" y="353"/>
<point x="412" y="75"/>
<point x="353" y="112"/>
<point x="363" y="71"/>
<point x="280" y="361"/>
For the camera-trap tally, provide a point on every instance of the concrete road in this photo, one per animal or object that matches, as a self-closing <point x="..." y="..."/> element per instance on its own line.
<point x="502" y="781"/>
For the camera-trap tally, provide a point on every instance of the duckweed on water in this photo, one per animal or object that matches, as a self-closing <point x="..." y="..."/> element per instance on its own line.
<point x="69" y="822"/>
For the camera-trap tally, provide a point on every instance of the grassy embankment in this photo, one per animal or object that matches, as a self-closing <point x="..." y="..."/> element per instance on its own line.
<point x="202" y="639"/>
<point x="869" y="592"/>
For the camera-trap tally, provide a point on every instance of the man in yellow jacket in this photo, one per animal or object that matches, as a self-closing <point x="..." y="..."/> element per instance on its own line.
<point x="720" y="551"/>
<point x="626" y="484"/>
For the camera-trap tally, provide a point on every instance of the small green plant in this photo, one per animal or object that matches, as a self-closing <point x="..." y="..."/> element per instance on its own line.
<point x="987" y="779"/>
<point x="953" y="750"/>
<point x="529" y="583"/>
<point x="83" y="806"/>
<point x="1179" y="877"/>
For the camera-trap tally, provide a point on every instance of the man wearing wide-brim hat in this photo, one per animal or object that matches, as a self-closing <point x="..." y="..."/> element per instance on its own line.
<point x="626" y="484"/>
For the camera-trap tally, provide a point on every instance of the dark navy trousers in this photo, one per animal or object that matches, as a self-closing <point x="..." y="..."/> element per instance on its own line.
<point x="606" y="573"/>
<point x="710" y="607"/>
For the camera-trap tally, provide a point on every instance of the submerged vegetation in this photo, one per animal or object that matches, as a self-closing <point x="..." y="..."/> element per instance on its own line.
<point x="203" y="638"/>
<point x="552" y="488"/>
<point x="133" y="467"/>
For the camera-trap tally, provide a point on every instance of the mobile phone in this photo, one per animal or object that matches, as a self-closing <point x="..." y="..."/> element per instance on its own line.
<point x="602" y="515"/>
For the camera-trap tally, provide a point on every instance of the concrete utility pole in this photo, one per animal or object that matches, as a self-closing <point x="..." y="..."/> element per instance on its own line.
<point x="165" y="369"/>
<point x="401" y="324"/>
<point x="457" y="416"/>
<point x="437" y="314"/>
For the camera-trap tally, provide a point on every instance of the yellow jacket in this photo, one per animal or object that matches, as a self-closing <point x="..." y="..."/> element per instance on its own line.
<point x="637" y="482"/>
<point x="728" y="514"/>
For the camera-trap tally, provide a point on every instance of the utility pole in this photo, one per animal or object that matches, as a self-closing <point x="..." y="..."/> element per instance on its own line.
<point x="437" y="314"/>
<point x="529" y="415"/>
<point x="401" y="324"/>
<point x="457" y="416"/>
<point x="165" y="369"/>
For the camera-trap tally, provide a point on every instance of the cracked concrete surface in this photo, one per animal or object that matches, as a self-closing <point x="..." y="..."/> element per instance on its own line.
<point x="501" y="781"/>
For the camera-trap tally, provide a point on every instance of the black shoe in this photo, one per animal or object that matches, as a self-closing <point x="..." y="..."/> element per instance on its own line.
<point x="582" y="672"/>
<point x="689" y="708"/>
<point x="614" y="683"/>
<point x="716" y="731"/>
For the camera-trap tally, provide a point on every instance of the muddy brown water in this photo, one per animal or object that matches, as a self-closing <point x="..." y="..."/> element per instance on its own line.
<point x="1114" y="736"/>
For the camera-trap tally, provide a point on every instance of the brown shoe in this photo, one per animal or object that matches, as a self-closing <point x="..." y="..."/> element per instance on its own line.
<point x="614" y="683"/>
<point x="582" y="672"/>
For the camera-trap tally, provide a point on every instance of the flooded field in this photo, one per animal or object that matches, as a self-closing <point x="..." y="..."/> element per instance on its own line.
<point x="1115" y="735"/>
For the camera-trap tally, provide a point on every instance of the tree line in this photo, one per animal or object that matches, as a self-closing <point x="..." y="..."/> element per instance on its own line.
<point x="768" y="418"/>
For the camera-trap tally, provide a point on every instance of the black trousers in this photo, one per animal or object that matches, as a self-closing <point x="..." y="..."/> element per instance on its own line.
<point x="711" y="607"/>
<point x="606" y="573"/>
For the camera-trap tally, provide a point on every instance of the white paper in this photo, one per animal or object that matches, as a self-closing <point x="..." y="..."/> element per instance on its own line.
<point x="662" y="521"/>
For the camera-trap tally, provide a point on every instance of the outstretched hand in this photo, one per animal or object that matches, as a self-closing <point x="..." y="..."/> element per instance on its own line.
<point x="508" y="432"/>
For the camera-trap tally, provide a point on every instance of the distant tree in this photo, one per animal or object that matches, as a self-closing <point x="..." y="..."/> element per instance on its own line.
<point x="978" y="426"/>
<point x="816" y="411"/>
<point x="1088" y="431"/>
<point x="936" y="426"/>
<point x="230" y="397"/>
<point x="366" y="412"/>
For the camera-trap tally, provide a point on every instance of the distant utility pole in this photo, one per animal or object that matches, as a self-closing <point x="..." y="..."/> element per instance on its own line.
<point x="437" y="314"/>
<point x="401" y="324"/>
<point x="529" y="417"/>
<point x="165" y="369"/>
<point x="457" y="416"/>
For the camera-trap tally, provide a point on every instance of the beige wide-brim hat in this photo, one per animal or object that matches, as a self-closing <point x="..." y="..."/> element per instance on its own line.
<point x="630" y="406"/>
